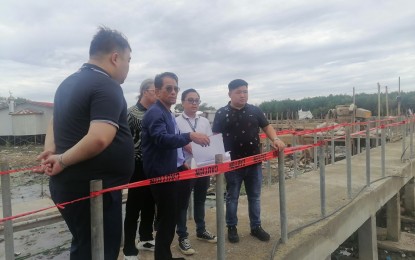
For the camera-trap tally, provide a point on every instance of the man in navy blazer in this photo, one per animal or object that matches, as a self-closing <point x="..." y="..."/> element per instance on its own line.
<point x="162" y="145"/>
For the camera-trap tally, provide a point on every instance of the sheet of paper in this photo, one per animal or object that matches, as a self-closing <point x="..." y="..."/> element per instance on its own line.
<point x="206" y="155"/>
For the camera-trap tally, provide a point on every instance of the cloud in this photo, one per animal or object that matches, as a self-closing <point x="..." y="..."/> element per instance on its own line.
<point x="284" y="49"/>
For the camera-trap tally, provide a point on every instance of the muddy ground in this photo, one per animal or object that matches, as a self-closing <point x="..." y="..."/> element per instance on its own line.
<point x="48" y="242"/>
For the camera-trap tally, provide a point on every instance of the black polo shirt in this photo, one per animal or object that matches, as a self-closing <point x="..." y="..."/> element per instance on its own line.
<point x="240" y="129"/>
<point x="87" y="95"/>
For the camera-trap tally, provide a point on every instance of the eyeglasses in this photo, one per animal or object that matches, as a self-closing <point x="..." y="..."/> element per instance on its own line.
<point x="193" y="101"/>
<point x="171" y="88"/>
<point x="151" y="90"/>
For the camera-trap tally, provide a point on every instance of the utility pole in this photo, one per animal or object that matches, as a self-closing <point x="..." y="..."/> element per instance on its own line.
<point x="399" y="97"/>
<point x="354" y="97"/>
<point x="378" y="101"/>
<point x="378" y="121"/>
<point x="354" y="112"/>
<point x="387" y="101"/>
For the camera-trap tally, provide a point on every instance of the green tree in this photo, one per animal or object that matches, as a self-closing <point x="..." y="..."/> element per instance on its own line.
<point x="178" y="107"/>
<point x="205" y="107"/>
<point x="319" y="106"/>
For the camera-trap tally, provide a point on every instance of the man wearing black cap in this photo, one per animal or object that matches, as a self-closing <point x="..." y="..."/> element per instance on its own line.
<point x="239" y="123"/>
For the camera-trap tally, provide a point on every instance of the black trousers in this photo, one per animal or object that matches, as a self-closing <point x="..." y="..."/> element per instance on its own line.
<point x="140" y="200"/>
<point x="165" y="195"/>
<point x="199" y="187"/>
<point x="78" y="218"/>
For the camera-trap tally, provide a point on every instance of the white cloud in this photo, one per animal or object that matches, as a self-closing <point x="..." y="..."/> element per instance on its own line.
<point x="284" y="49"/>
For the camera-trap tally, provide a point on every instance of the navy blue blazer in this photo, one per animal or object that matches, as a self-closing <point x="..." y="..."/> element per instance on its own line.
<point x="159" y="141"/>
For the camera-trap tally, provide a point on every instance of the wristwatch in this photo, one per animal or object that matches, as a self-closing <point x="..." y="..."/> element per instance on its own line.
<point x="277" y="139"/>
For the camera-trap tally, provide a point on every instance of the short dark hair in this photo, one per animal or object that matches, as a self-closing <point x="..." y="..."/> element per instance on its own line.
<point x="106" y="41"/>
<point x="187" y="91"/>
<point x="158" y="80"/>
<point x="236" y="83"/>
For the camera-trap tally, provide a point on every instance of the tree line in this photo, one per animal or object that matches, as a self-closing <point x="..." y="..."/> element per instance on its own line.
<point x="319" y="106"/>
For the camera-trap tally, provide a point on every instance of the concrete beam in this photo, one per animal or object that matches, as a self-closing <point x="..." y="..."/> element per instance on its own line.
<point x="325" y="236"/>
<point x="368" y="239"/>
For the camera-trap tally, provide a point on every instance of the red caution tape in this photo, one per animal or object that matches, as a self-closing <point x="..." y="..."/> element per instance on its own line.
<point x="211" y="169"/>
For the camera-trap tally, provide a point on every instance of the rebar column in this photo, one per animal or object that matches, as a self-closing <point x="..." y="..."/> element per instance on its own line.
<point x="382" y="151"/>
<point x="333" y="156"/>
<point x="322" y="181"/>
<point x="411" y="138"/>
<point x="315" y="151"/>
<point x="358" y="140"/>
<point x="220" y="211"/>
<point x="295" y="156"/>
<point x="268" y="164"/>
<point x="7" y="210"/>
<point x="348" y="163"/>
<point x="97" y="222"/>
<point x="403" y="129"/>
<point x="283" y="209"/>
<point x="368" y="155"/>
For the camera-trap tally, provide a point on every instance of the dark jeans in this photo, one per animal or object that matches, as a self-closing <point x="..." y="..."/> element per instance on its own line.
<point x="200" y="186"/>
<point x="78" y="218"/>
<point x="252" y="178"/>
<point x="165" y="196"/>
<point x="140" y="200"/>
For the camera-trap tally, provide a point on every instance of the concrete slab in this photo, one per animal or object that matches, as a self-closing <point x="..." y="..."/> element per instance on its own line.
<point x="405" y="244"/>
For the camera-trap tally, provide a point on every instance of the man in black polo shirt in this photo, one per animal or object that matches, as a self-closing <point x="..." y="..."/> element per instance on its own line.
<point x="88" y="139"/>
<point x="239" y="123"/>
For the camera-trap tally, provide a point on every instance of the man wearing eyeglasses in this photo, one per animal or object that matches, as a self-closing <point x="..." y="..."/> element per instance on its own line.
<point x="163" y="155"/>
<point x="239" y="123"/>
<point x="188" y="122"/>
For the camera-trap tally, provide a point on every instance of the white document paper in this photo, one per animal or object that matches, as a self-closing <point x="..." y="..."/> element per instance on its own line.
<point x="206" y="155"/>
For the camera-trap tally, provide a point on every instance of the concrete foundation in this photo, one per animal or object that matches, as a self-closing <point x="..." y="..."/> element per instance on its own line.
<point x="393" y="218"/>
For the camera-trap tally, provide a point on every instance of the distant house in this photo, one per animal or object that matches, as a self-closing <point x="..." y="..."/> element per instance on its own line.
<point x="209" y="114"/>
<point x="24" y="122"/>
<point x="304" y="114"/>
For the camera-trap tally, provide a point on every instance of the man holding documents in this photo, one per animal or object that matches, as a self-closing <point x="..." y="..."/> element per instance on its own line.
<point x="189" y="122"/>
<point x="239" y="123"/>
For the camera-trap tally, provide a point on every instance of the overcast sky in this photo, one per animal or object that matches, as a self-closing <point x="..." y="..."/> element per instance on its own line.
<point x="283" y="49"/>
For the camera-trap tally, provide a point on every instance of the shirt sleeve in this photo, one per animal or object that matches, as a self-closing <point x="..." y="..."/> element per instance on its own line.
<point x="262" y="120"/>
<point x="217" y="122"/>
<point x="107" y="103"/>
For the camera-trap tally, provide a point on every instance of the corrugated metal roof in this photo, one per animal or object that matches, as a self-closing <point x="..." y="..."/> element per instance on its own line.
<point x="26" y="112"/>
<point x="42" y="104"/>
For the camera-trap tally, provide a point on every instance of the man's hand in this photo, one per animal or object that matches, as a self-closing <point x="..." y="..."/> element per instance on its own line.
<point x="42" y="157"/>
<point x="188" y="148"/>
<point x="52" y="165"/>
<point x="200" y="138"/>
<point x="277" y="144"/>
